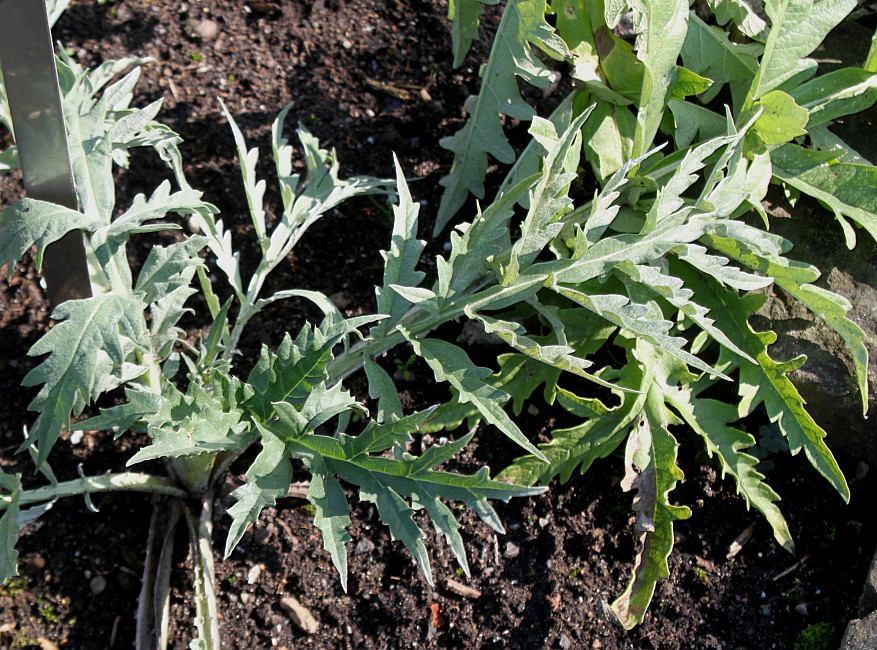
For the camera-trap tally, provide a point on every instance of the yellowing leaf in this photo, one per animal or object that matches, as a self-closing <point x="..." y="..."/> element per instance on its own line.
<point x="781" y="118"/>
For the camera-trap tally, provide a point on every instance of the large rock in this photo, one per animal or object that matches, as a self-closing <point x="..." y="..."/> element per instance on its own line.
<point x="827" y="381"/>
<point x="861" y="633"/>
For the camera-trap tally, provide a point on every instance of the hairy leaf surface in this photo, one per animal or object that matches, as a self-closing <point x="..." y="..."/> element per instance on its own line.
<point x="89" y="354"/>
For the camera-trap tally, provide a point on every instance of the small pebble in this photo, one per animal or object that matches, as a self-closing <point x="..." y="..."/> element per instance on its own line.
<point x="207" y="29"/>
<point x="97" y="584"/>
<point x="346" y="44"/>
<point x="364" y="545"/>
<point x="543" y="522"/>
<point x="565" y="642"/>
<point x="803" y="609"/>
<point x="512" y="549"/>
<point x="76" y="437"/>
<point x="254" y="573"/>
<point x="245" y="597"/>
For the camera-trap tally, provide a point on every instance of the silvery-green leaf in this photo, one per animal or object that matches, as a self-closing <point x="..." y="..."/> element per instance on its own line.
<point x="719" y="268"/>
<point x="672" y="289"/>
<point x="661" y="27"/>
<point x="464" y="15"/>
<point x="836" y="94"/>
<point x="797" y="27"/>
<point x="795" y="278"/>
<point x="850" y="191"/>
<point x="192" y="424"/>
<point x="743" y="13"/>
<point x="290" y="373"/>
<point x="253" y="187"/>
<point x="9" y="525"/>
<point x="267" y="480"/>
<point x="29" y="222"/>
<point x="711" y="420"/>
<point x="387" y="482"/>
<point x="473" y="245"/>
<point x="638" y="319"/>
<point x="89" y="354"/>
<point x="382" y="389"/>
<point x="548" y="200"/>
<point x="652" y="473"/>
<point x="450" y="363"/>
<point x="331" y="514"/>
<point x="168" y="268"/>
<point x="709" y="52"/>
<point x="401" y="259"/>
<point x="529" y="161"/>
<point x="139" y="405"/>
<point x="766" y="382"/>
<point x="523" y="23"/>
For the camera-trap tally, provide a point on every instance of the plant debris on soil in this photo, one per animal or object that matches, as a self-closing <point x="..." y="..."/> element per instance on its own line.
<point x="372" y="77"/>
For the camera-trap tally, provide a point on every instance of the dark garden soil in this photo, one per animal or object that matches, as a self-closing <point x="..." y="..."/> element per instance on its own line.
<point x="371" y="77"/>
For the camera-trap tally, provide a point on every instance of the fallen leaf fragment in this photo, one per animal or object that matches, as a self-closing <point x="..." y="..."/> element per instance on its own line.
<point x="300" y="615"/>
<point x="462" y="590"/>
<point x="738" y="544"/>
<point x="438" y="619"/>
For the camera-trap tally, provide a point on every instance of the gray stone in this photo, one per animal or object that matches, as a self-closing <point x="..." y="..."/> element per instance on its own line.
<point x="861" y="634"/>
<point x="827" y="380"/>
<point x="364" y="545"/>
<point x="97" y="585"/>
<point x="868" y="601"/>
<point x="207" y="29"/>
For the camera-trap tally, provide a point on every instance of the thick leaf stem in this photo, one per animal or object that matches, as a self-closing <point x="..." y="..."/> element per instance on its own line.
<point x="206" y="608"/>
<point x="122" y="482"/>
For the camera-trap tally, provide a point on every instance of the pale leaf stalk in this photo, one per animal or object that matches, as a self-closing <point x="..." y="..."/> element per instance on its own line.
<point x="120" y="482"/>
<point x="206" y="607"/>
<point x="249" y="306"/>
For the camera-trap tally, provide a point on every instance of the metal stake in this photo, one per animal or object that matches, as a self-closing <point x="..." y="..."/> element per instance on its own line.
<point x="28" y="64"/>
